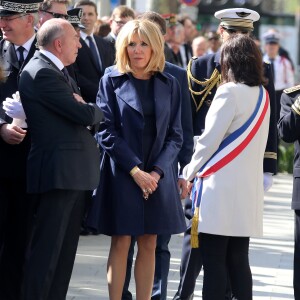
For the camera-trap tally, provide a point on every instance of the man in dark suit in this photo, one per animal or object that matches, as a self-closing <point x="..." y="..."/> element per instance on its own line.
<point x="162" y="253"/>
<point x="204" y="79"/>
<point x="63" y="163"/>
<point x="17" y="22"/>
<point x="289" y="129"/>
<point x="94" y="56"/>
<point x="119" y="17"/>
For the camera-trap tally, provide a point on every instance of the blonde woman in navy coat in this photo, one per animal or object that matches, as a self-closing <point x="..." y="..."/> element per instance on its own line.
<point x="141" y="136"/>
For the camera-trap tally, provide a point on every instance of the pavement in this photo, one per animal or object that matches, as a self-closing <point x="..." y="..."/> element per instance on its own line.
<point x="271" y="257"/>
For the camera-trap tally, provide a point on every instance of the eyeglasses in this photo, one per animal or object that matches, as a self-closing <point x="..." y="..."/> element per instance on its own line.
<point x="6" y="19"/>
<point x="120" y="23"/>
<point x="56" y="15"/>
<point x="232" y="31"/>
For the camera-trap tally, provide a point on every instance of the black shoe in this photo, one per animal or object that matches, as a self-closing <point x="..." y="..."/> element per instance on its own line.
<point x="178" y="297"/>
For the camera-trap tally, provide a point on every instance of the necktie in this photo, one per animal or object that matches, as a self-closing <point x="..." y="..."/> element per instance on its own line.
<point x="21" y="50"/>
<point x="272" y="68"/>
<point x="67" y="76"/>
<point x="94" y="52"/>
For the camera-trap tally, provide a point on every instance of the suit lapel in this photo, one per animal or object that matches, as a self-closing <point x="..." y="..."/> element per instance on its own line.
<point x="88" y="51"/>
<point x="31" y="52"/>
<point x="11" y="55"/>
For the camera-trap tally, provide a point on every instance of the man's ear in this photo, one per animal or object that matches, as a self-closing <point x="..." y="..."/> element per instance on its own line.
<point x="57" y="45"/>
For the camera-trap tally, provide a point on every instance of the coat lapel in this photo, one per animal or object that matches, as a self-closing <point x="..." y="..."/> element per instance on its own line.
<point x="129" y="95"/>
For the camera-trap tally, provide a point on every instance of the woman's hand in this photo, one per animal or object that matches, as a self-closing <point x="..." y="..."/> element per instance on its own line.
<point x="189" y="187"/>
<point x="147" y="182"/>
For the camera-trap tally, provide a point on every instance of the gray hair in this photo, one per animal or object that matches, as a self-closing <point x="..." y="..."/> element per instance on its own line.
<point x="49" y="31"/>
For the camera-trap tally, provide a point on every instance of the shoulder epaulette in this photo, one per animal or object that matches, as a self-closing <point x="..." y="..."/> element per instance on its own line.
<point x="207" y="84"/>
<point x="292" y="89"/>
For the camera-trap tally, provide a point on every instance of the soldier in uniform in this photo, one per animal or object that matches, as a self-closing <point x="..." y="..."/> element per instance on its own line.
<point x="289" y="129"/>
<point x="17" y="21"/>
<point x="204" y="78"/>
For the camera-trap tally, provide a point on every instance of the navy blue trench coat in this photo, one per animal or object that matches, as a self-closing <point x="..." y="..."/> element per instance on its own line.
<point x="118" y="206"/>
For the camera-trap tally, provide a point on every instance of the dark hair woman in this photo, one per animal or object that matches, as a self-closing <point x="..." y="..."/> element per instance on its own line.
<point x="228" y="166"/>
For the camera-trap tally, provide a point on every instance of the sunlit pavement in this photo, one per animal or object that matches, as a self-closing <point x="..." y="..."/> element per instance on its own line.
<point x="271" y="257"/>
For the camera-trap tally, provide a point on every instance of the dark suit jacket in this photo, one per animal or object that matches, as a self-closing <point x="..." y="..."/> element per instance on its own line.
<point x="186" y="150"/>
<point x="12" y="157"/>
<point x="88" y="75"/>
<point x="112" y="43"/>
<point x="63" y="153"/>
<point x="289" y="131"/>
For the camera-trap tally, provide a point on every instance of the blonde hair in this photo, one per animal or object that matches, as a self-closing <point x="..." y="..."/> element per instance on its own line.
<point x="148" y="33"/>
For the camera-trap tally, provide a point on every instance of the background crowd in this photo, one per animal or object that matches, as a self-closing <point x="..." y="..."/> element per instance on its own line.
<point x="58" y="125"/>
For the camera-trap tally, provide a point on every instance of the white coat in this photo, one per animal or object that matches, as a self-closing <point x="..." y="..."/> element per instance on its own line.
<point x="232" y="198"/>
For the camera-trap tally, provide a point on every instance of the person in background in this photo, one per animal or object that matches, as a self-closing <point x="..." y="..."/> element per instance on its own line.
<point x="282" y="51"/>
<point x="175" y="41"/>
<point x="75" y="15"/>
<point x="199" y="46"/>
<point x="170" y="21"/>
<point x="190" y="32"/>
<point x="204" y="79"/>
<point x="288" y="129"/>
<point x="119" y="17"/>
<point x="94" y="55"/>
<point x="53" y="9"/>
<point x="282" y="69"/>
<point x="240" y="104"/>
<point x="214" y="42"/>
<point x="62" y="164"/>
<point x="17" y="21"/>
<point x="101" y="28"/>
<point x="162" y="253"/>
<point x="141" y="136"/>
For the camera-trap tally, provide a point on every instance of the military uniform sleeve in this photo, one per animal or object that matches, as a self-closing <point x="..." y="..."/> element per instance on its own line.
<point x="270" y="157"/>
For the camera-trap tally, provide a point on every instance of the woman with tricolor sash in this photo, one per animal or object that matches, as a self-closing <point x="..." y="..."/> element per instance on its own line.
<point x="227" y="171"/>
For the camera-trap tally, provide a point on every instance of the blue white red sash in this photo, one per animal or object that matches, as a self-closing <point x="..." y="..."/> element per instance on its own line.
<point x="230" y="148"/>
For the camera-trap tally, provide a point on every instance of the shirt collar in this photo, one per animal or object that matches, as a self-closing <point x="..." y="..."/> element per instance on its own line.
<point x="83" y="35"/>
<point x="26" y="45"/>
<point x="53" y="58"/>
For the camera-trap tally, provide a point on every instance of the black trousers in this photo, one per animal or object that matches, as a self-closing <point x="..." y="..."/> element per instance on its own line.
<point x="16" y="216"/>
<point x="190" y="267"/>
<point x="53" y="246"/>
<point x="223" y="256"/>
<point x="297" y="256"/>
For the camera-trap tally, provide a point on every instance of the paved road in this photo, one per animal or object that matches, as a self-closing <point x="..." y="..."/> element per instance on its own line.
<point x="271" y="257"/>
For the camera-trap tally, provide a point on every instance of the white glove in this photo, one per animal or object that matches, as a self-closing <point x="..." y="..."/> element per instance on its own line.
<point x="14" y="109"/>
<point x="268" y="181"/>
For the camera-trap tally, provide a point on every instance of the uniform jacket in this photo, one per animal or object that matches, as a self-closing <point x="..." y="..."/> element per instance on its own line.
<point x="288" y="130"/>
<point x="121" y="207"/>
<point x="12" y="157"/>
<point x="232" y="198"/>
<point x="186" y="150"/>
<point x="88" y="75"/>
<point x="202" y="69"/>
<point x="63" y="153"/>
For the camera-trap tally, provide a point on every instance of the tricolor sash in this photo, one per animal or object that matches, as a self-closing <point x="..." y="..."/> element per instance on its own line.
<point x="229" y="149"/>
